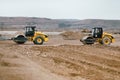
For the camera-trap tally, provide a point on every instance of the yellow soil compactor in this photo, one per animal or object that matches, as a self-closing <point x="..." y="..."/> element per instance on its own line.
<point x="31" y="35"/>
<point x="99" y="36"/>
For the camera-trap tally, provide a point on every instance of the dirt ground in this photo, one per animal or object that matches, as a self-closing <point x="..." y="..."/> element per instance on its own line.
<point x="59" y="59"/>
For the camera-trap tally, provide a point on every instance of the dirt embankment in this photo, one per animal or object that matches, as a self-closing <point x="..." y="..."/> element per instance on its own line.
<point x="61" y="58"/>
<point x="14" y="65"/>
<point x="72" y="35"/>
<point x="88" y="62"/>
<point x="63" y="62"/>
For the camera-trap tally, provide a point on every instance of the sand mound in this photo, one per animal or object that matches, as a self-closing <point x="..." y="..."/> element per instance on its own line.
<point x="70" y="35"/>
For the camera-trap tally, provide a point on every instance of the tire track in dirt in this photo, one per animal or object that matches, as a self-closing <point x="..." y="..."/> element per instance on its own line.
<point x="76" y="62"/>
<point x="99" y="64"/>
<point x="84" y="70"/>
<point x="109" y="61"/>
<point x="16" y="66"/>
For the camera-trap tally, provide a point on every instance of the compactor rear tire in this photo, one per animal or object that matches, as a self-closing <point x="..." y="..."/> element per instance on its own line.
<point x="38" y="40"/>
<point x="106" y="41"/>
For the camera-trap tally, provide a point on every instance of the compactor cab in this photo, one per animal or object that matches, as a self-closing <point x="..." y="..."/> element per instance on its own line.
<point x="29" y="31"/>
<point x="97" y="32"/>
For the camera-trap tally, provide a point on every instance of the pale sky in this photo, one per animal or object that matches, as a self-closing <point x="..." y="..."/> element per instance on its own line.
<point x="61" y="9"/>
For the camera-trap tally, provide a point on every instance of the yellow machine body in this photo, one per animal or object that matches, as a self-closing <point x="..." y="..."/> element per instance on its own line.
<point x="36" y="34"/>
<point x="109" y="39"/>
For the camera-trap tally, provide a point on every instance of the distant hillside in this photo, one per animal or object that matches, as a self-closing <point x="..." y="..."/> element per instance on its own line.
<point x="20" y="22"/>
<point x="98" y="22"/>
<point x="46" y="23"/>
